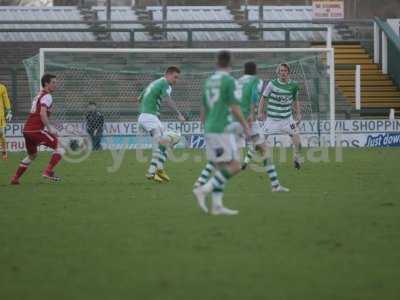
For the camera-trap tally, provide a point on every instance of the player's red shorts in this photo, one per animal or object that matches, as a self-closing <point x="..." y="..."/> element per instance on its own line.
<point x="35" y="139"/>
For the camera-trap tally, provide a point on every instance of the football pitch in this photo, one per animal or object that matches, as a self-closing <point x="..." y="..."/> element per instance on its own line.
<point x="115" y="235"/>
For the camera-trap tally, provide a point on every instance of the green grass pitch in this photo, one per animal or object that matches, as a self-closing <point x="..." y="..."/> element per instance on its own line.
<point x="101" y="235"/>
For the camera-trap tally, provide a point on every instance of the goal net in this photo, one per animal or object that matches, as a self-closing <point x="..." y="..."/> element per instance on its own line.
<point x="114" y="78"/>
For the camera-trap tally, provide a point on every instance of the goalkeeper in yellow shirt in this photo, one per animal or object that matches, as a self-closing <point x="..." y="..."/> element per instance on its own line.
<point x="5" y="116"/>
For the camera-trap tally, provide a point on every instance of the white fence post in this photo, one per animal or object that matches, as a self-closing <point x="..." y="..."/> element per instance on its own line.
<point x="41" y="65"/>
<point x="392" y="116"/>
<point x="384" y="53"/>
<point x="329" y="37"/>
<point x="358" y="87"/>
<point x="332" y="97"/>
<point x="376" y="43"/>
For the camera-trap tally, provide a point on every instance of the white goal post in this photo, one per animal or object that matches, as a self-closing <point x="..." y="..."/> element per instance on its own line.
<point x="327" y="54"/>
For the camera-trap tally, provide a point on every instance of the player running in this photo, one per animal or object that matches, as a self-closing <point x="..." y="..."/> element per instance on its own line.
<point x="221" y="100"/>
<point x="251" y="86"/>
<point x="150" y="101"/>
<point x="282" y="97"/>
<point x="39" y="131"/>
<point x="5" y="116"/>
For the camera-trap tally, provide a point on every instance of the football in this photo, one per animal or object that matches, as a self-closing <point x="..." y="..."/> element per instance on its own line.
<point x="175" y="137"/>
<point x="76" y="144"/>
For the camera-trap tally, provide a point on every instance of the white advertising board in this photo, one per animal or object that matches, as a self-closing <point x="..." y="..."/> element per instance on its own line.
<point x="350" y="133"/>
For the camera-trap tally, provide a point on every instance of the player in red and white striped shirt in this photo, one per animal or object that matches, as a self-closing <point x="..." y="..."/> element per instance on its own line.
<point x="38" y="131"/>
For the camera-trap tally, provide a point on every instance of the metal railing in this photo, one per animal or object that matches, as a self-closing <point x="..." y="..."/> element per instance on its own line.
<point x="189" y="31"/>
<point x="201" y="22"/>
<point x="387" y="49"/>
<point x="361" y="29"/>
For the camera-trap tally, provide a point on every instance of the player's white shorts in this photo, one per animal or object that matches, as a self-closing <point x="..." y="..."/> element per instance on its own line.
<point x="256" y="135"/>
<point x="273" y="126"/>
<point x="151" y="124"/>
<point x="221" y="147"/>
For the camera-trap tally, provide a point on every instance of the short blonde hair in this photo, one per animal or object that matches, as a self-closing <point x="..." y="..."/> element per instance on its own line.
<point x="282" y="65"/>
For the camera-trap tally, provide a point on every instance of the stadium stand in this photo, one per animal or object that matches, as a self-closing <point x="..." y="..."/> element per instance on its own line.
<point x="379" y="91"/>
<point x="122" y="13"/>
<point x="59" y="13"/>
<point x="199" y="13"/>
<point x="287" y="13"/>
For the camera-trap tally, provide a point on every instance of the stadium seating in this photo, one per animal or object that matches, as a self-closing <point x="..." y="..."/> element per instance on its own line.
<point x="289" y="13"/>
<point x="378" y="90"/>
<point x="122" y="13"/>
<point x="199" y="13"/>
<point x="59" y="13"/>
<point x="174" y="13"/>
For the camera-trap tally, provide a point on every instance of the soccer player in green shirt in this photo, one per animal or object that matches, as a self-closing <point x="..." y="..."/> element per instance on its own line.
<point x="251" y="87"/>
<point x="221" y="103"/>
<point x="282" y="97"/>
<point x="150" y="101"/>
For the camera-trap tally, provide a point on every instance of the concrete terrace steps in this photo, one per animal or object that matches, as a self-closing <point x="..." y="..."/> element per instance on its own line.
<point x="375" y="100"/>
<point x="364" y="71"/>
<point x="364" y="83"/>
<point x="354" y="61"/>
<point x="395" y="105"/>
<point x="370" y="88"/>
<point x="365" y="77"/>
<point x="380" y="94"/>
<point x="377" y="89"/>
<point x="364" y="56"/>
<point x="353" y="51"/>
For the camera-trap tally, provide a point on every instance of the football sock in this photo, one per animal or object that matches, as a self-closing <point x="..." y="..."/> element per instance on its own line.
<point x="216" y="185"/>
<point x="218" y="182"/>
<point x="163" y="157"/>
<point x="249" y="156"/>
<point x="271" y="172"/>
<point x="206" y="173"/>
<point x="216" y="197"/>
<point x="23" y="166"/>
<point x="296" y="150"/>
<point x="55" y="159"/>
<point x="158" y="159"/>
